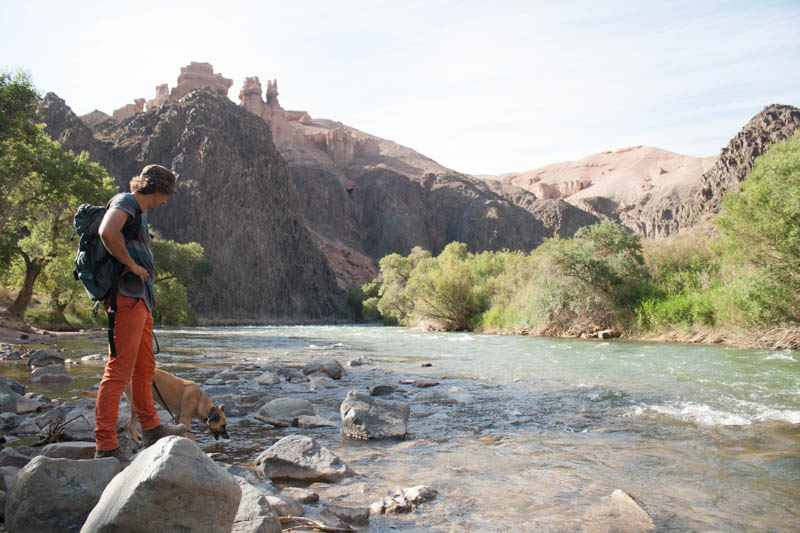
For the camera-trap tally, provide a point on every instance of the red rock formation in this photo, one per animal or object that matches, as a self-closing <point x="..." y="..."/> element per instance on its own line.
<point x="194" y="76"/>
<point x="129" y="110"/>
<point x="162" y="97"/>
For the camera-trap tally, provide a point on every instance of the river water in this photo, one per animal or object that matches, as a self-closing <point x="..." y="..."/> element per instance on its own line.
<point x="531" y="434"/>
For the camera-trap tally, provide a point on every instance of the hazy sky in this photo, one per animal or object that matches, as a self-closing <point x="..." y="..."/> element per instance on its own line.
<point x="481" y="87"/>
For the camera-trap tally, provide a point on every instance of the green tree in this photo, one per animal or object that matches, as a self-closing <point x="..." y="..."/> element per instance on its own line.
<point x="760" y="237"/>
<point x="395" y="304"/>
<point x="51" y="184"/>
<point x="178" y="266"/>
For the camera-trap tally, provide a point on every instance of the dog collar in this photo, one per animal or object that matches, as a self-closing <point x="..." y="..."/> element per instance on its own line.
<point x="210" y="413"/>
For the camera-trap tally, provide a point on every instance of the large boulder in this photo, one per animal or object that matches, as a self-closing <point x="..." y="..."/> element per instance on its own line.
<point x="301" y="458"/>
<point x="286" y="408"/>
<point x="52" y="374"/>
<point x="255" y="513"/>
<point x="172" y="485"/>
<point x="56" y="494"/>
<point x="8" y="385"/>
<point x="8" y="402"/>
<point x="325" y="365"/>
<point x="365" y="417"/>
<point x="69" y="450"/>
<point x="11" y="457"/>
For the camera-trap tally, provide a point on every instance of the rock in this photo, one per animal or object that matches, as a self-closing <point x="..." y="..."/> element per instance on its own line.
<point x="301" y="458"/>
<point x="8" y="385"/>
<point x="93" y="357"/>
<point x="382" y="390"/>
<point x="424" y="383"/>
<point x="29" y="405"/>
<point x="255" y="514"/>
<point x="459" y="395"/>
<point x="283" y="504"/>
<point x="286" y="408"/>
<point x="25" y="428"/>
<point x="8" y="476"/>
<point x="319" y="381"/>
<point x="292" y="375"/>
<point x="364" y="417"/>
<point x="354" y="517"/>
<point x="8" y="403"/>
<point x="53" y="374"/>
<point x="10" y="419"/>
<point x="129" y="110"/>
<point x="69" y="450"/>
<point x="57" y="494"/>
<point x="618" y="512"/>
<point x="268" y="378"/>
<point x="327" y="365"/>
<point x="302" y="495"/>
<point x="11" y="355"/>
<point x="174" y="485"/>
<point x="404" y="500"/>
<point x="11" y="457"/>
<point x="41" y="358"/>
<point x="308" y="422"/>
<point x="359" y="361"/>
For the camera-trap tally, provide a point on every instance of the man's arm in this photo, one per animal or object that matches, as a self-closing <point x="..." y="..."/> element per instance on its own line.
<point x="111" y="234"/>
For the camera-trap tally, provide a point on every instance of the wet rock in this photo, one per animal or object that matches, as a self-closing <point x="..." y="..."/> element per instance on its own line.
<point x="41" y="358"/>
<point x="8" y="476"/>
<point x="174" y="485"/>
<point x="284" y="504"/>
<point x="292" y="375"/>
<point x="255" y="514"/>
<point x="268" y="378"/>
<point x="354" y="517"/>
<point x="404" y="500"/>
<point x="424" y="383"/>
<point x="286" y="409"/>
<point x="327" y="365"/>
<point x="619" y="512"/>
<point x="8" y="403"/>
<point x="359" y="361"/>
<point x="302" y="495"/>
<point x="11" y="355"/>
<point x="307" y="422"/>
<point x="93" y="357"/>
<point x="320" y="381"/>
<point x="11" y="457"/>
<point x="301" y="458"/>
<point x="382" y="390"/>
<point x="459" y="395"/>
<point x="52" y="374"/>
<point x="56" y="494"/>
<point x="365" y="417"/>
<point x="26" y="404"/>
<point x="69" y="450"/>
<point x="8" y="385"/>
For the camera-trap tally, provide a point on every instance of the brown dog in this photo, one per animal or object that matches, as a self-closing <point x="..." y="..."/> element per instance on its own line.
<point x="184" y="400"/>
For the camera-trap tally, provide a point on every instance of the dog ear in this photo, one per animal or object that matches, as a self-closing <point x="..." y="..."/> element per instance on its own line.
<point x="222" y="407"/>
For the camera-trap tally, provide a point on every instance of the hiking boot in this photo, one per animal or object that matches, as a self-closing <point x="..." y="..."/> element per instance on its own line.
<point x="116" y="453"/>
<point x="150" y="436"/>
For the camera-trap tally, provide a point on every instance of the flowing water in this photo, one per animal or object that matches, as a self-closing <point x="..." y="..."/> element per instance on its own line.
<point x="531" y="434"/>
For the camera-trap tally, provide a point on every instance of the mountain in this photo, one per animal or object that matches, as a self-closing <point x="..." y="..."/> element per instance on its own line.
<point x="654" y="192"/>
<point x="235" y="196"/>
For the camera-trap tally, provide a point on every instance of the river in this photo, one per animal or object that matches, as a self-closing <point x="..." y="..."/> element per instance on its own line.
<point x="531" y="434"/>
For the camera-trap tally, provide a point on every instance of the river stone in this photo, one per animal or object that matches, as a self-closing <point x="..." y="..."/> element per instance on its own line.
<point x="56" y="494"/>
<point x="286" y="408"/>
<point x="301" y="458"/>
<point x="255" y="514"/>
<point x="93" y="357"/>
<point x="8" y="402"/>
<point x="308" y="422"/>
<point x="283" y="504"/>
<point x="326" y="365"/>
<point x="365" y="417"/>
<point x="320" y="380"/>
<point x="619" y="512"/>
<point x="404" y="500"/>
<point x="382" y="390"/>
<point x="8" y="385"/>
<point x="268" y="378"/>
<point x="11" y="355"/>
<point x="51" y="374"/>
<point x="69" y="450"/>
<point x="41" y="358"/>
<point x="358" y="361"/>
<point x="29" y="405"/>
<point x="354" y="517"/>
<point x="292" y="375"/>
<point x="8" y="476"/>
<point x="11" y="457"/>
<point x="25" y="428"/>
<point x="174" y="486"/>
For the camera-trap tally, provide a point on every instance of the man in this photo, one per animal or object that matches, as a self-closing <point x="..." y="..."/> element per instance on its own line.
<point x="131" y="353"/>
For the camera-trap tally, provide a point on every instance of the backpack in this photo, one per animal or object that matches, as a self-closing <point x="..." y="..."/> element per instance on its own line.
<point x="97" y="269"/>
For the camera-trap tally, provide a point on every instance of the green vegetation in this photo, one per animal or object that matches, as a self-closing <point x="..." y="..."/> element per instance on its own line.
<point x="41" y="187"/>
<point x="743" y="275"/>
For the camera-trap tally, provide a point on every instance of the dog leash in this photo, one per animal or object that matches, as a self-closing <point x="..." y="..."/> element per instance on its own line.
<point x="163" y="402"/>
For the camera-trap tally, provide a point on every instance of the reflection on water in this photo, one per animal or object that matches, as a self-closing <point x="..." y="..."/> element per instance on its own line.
<point x="529" y="434"/>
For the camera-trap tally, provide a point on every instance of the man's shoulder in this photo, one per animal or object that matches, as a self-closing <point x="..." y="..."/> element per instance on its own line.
<point x="124" y="201"/>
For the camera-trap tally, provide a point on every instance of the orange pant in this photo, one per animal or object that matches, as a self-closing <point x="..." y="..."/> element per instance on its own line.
<point x="134" y="364"/>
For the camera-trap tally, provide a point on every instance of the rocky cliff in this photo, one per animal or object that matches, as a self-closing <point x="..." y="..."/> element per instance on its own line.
<point x="235" y="197"/>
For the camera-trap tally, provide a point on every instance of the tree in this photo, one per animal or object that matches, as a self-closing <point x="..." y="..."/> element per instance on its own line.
<point x="395" y="305"/>
<point x="50" y="185"/>
<point x="178" y="267"/>
<point x="760" y="238"/>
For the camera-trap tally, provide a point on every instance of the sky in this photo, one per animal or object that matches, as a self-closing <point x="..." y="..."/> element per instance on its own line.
<point x="481" y="87"/>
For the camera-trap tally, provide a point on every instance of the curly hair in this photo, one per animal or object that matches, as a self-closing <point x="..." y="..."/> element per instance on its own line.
<point x="154" y="179"/>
